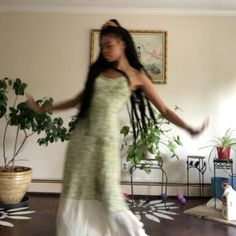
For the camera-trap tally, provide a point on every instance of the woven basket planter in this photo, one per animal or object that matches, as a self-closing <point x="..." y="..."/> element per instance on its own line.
<point x="13" y="185"/>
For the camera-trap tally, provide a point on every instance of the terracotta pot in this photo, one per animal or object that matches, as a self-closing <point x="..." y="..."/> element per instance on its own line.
<point x="13" y="185"/>
<point x="223" y="153"/>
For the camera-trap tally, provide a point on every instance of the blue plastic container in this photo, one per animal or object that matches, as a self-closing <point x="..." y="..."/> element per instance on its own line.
<point x="232" y="181"/>
<point x="218" y="190"/>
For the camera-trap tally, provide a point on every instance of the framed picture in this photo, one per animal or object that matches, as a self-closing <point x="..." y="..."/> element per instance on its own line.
<point x="151" y="47"/>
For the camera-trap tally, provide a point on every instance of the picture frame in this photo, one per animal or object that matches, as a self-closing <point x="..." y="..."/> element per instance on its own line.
<point x="151" y="48"/>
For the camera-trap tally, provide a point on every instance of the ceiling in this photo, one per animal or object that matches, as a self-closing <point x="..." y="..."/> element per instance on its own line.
<point x="174" y="5"/>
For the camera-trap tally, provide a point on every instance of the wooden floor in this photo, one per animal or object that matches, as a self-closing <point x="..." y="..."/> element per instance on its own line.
<point x="43" y="221"/>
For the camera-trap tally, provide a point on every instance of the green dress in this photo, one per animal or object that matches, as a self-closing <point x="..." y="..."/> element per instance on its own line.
<point x="91" y="202"/>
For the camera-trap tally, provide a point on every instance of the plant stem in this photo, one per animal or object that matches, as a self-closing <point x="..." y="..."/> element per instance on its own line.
<point x="21" y="146"/>
<point x="4" y="146"/>
<point x="7" y="120"/>
<point x="14" y="105"/>
<point x="23" y="142"/>
<point x="14" y="154"/>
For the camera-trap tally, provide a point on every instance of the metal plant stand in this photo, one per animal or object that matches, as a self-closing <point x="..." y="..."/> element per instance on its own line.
<point x="152" y="164"/>
<point x="198" y="163"/>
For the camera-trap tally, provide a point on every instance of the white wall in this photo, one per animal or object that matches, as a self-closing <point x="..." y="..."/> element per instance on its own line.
<point x="50" y="51"/>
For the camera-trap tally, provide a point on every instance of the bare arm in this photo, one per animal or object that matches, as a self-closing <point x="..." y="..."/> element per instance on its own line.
<point x="60" y="106"/>
<point x="150" y="92"/>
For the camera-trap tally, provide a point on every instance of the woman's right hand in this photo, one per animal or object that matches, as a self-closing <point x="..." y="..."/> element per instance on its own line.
<point x="33" y="105"/>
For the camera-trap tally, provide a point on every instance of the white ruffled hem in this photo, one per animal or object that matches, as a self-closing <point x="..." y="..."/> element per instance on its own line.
<point x="88" y="218"/>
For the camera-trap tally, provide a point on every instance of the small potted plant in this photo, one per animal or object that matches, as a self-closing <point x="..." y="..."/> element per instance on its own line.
<point x="14" y="180"/>
<point x="222" y="145"/>
<point x="151" y="142"/>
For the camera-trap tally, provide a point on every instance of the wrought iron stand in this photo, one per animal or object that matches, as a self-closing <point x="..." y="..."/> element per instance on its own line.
<point x="152" y="164"/>
<point x="198" y="163"/>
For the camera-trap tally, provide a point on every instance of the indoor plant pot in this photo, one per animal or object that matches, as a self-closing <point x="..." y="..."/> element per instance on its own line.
<point x="223" y="153"/>
<point x="14" y="184"/>
<point x="26" y="123"/>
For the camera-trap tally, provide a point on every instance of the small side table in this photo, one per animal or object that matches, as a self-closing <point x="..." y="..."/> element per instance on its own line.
<point x="198" y="163"/>
<point x="152" y="164"/>
<point x="223" y="165"/>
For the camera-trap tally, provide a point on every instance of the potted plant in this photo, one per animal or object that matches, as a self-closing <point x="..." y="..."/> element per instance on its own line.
<point x="151" y="142"/>
<point x="222" y="145"/>
<point x="14" y="180"/>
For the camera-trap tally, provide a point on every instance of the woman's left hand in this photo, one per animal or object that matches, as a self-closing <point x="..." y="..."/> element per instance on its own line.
<point x="197" y="131"/>
<point x="33" y="105"/>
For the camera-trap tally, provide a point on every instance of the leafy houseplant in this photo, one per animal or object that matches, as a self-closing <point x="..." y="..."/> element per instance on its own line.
<point x="26" y="123"/>
<point x="150" y="142"/>
<point x="222" y="145"/>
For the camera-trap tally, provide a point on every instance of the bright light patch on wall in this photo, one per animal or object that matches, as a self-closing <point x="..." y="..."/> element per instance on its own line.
<point x="227" y="109"/>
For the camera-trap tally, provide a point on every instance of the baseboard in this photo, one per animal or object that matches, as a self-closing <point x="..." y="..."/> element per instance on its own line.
<point x="140" y="188"/>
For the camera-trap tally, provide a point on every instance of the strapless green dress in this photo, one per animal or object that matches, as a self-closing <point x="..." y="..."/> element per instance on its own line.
<point x="91" y="202"/>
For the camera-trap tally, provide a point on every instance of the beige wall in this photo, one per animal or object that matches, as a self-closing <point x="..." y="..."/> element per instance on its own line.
<point x="50" y="51"/>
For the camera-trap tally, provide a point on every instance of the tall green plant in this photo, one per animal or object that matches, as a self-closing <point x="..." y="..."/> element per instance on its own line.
<point x="26" y="121"/>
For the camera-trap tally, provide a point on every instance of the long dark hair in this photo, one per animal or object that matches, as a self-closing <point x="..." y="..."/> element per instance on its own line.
<point x="141" y="109"/>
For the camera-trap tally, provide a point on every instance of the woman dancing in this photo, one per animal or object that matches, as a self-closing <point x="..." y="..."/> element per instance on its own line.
<point x="91" y="202"/>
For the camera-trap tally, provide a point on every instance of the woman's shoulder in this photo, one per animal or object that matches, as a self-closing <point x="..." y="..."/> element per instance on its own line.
<point x="137" y="78"/>
<point x="140" y="74"/>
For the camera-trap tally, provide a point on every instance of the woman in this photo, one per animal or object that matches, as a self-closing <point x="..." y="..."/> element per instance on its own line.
<point x="91" y="201"/>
